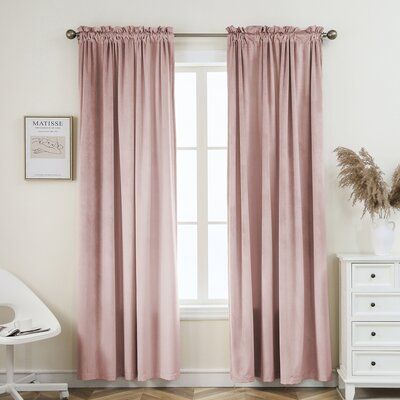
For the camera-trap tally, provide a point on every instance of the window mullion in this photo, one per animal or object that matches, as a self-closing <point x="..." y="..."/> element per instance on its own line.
<point x="202" y="197"/>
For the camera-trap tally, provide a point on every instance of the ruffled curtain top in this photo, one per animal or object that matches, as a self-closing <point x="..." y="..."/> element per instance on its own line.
<point x="278" y="33"/>
<point x="110" y="33"/>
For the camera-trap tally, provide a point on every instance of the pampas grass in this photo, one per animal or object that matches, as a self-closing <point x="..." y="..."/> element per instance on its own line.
<point x="361" y="174"/>
<point x="394" y="195"/>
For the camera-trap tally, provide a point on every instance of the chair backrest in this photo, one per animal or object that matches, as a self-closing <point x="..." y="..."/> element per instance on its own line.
<point x="16" y="295"/>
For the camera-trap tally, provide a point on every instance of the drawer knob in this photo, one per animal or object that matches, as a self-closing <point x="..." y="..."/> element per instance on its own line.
<point x="373" y="363"/>
<point x="373" y="276"/>
<point x="372" y="304"/>
<point x="373" y="333"/>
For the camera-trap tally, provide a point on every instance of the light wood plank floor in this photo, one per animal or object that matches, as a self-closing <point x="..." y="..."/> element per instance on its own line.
<point x="188" y="394"/>
<point x="208" y="394"/>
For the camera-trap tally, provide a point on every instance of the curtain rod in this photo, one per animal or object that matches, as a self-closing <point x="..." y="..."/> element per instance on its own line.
<point x="331" y="34"/>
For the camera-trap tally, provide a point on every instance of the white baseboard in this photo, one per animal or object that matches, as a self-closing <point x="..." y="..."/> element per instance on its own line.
<point x="188" y="378"/>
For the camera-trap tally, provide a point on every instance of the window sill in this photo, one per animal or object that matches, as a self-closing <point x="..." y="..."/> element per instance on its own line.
<point x="203" y="312"/>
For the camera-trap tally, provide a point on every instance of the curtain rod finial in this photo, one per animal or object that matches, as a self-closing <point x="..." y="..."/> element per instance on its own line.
<point x="70" y="34"/>
<point x="332" y="34"/>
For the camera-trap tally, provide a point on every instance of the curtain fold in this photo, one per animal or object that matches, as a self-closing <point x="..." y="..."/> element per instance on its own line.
<point x="277" y="259"/>
<point x="128" y="321"/>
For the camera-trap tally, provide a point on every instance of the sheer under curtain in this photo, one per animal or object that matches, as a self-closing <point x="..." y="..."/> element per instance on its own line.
<point x="277" y="258"/>
<point x="128" y="322"/>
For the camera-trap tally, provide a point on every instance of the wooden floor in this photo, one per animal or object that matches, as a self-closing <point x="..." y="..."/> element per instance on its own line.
<point x="189" y="394"/>
<point x="210" y="394"/>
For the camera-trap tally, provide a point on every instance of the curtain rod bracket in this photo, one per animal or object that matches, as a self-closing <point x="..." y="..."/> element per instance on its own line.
<point x="331" y="34"/>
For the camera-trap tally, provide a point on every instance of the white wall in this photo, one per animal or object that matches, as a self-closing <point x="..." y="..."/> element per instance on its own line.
<point x="39" y="76"/>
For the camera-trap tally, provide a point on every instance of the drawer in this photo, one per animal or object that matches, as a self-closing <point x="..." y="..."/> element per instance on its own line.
<point x="376" y="334"/>
<point x="372" y="277"/>
<point x="376" y="363"/>
<point x="376" y="306"/>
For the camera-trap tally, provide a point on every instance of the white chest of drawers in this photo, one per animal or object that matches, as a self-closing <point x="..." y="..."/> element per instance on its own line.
<point x="369" y="322"/>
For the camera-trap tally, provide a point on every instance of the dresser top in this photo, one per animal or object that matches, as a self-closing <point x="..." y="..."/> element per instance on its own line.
<point x="367" y="257"/>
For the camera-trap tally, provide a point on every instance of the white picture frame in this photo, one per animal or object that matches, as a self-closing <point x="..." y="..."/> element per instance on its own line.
<point x="48" y="147"/>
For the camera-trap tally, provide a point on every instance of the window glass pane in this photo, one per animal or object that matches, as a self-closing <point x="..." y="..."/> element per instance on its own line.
<point x="185" y="109"/>
<point x="217" y="185"/>
<point x="217" y="109"/>
<point x="187" y="261"/>
<point x="217" y="261"/>
<point x="186" y="171"/>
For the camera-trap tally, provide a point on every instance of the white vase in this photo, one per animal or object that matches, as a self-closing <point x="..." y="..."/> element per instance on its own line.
<point x="383" y="236"/>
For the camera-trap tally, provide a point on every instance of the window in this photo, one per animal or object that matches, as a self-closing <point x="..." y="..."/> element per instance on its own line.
<point x="201" y="129"/>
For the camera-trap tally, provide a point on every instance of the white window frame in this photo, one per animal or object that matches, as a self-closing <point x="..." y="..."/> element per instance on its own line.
<point x="202" y="308"/>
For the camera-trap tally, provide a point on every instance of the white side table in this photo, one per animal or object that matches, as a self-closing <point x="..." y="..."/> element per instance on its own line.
<point x="369" y="322"/>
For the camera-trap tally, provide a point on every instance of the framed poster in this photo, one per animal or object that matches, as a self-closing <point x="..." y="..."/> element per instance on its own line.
<point x="48" y="147"/>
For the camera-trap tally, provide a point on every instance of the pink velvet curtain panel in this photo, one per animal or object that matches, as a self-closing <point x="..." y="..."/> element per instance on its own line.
<point x="277" y="259"/>
<point x="128" y="309"/>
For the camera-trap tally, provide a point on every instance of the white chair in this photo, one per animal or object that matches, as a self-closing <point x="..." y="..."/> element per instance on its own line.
<point x="26" y="305"/>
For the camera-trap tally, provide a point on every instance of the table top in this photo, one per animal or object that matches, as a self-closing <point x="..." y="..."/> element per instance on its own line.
<point x="367" y="257"/>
